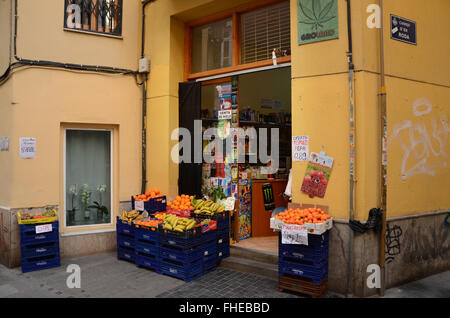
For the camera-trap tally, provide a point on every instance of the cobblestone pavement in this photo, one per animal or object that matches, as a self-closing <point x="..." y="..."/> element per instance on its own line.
<point x="225" y="283"/>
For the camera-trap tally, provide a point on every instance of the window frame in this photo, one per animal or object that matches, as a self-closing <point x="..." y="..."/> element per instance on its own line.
<point x="87" y="227"/>
<point x="117" y="35"/>
<point x="234" y="14"/>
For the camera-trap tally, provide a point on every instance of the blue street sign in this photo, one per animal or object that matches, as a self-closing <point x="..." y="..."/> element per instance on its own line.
<point x="403" y="30"/>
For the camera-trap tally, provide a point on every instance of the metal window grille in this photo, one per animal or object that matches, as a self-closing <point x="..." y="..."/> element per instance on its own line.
<point x="264" y="30"/>
<point x="99" y="16"/>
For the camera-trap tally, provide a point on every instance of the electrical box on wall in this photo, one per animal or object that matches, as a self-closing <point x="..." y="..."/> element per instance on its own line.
<point x="144" y="65"/>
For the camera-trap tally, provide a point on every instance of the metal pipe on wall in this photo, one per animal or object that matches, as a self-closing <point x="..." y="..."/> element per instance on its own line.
<point x="352" y="135"/>
<point x="383" y="159"/>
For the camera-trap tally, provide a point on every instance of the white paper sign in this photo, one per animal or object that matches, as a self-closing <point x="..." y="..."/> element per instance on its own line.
<point x="300" y="148"/>
<point x="224" y="114"/>
<point x="27" y="148"/>
<point x="229" y="204"/>
<point x="4" y="144"/>
<point x="139" y="205"/>
<point x="44" y="228"/>
<point x="294" y="234"/>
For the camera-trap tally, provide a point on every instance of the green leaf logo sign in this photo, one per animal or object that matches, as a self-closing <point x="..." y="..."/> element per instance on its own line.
<point x="317" y="20"/>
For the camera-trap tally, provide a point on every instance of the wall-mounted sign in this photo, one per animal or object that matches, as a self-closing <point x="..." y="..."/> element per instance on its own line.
<point x="4" y="144"/>
<point x="317" y="20"/>
<point x="403" y="30"/>
<point x="27" y="148"/>
<point x="300" y="148"/>
<point x="317" y="175"/>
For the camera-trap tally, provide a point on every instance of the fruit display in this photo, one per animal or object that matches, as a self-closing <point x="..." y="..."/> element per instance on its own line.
<point x="181" y="203"/>
<point x="160" y="215"/>
<point x="131" y="216"/>
<point x="303" y="216"/>
<point x="178" y="224"/>
<point x="149" y="194"/>
<point x="47" y="214"/>
<point x="207" y="207"/>
<point x="146" y="222"/>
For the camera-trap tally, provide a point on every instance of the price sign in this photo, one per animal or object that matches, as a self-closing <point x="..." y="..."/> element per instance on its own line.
<point x="44" y="228"/>
<point x="294" y="234"/>
<point x="27" y="148"/>
<point x="300" y="148"/>
<point x="139" y="205"/>
<point x="229" y="204"/>
<point x="224" y="114"/>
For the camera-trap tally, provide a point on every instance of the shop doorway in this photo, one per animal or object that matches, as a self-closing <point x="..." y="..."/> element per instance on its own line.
<point x="258" y="102"/>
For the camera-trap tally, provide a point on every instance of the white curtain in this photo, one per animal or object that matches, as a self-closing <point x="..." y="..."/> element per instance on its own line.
<point x="88" y="162"/>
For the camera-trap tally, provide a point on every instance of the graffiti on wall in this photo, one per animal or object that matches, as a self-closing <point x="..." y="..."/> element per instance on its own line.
<point x="393" y="246"/>
<point x="424" y="149"/>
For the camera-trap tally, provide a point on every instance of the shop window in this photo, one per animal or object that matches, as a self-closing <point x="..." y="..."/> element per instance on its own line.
<point x="88" y="184"/>
<point x="212" y="46"/>
<point x="263" y="31"/>
<point x="97" y="16"/>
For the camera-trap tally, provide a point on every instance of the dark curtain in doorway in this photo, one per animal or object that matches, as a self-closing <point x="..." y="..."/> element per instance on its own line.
<point x="190" y="174"/>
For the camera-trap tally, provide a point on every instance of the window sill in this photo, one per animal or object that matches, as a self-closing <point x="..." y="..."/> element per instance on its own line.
<point x="119" y="37"/>
<point x="87" y="232"/>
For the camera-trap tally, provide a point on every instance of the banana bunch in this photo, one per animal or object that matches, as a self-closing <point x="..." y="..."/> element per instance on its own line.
<point x="175" y="223"/>
<point x="130" y="216"/>
<point x="205" y="221"/>
<point x="207" y="207"/>
<point x="50" y="213"/>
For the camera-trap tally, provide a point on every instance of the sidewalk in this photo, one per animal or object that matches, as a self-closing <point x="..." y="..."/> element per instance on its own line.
<point x="103" y="276"/>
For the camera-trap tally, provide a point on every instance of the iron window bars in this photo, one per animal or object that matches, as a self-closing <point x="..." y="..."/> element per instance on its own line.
<point x="97" y="16"/>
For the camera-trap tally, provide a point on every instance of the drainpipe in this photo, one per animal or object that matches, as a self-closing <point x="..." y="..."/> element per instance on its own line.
<point x="352" y="136"/>
<point x="144" y="102"/>
<point x="383" y="163"/>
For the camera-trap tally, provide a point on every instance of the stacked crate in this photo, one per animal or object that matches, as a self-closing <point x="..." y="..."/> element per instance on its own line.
<point x="125" y="240"/>
<point x="39" y="250"/>
<point x="209" y="251"/>
<point x="181" y="255"/>
<point x="223" y="236"/>
<point x="304" y="268"/>
<point x="147" y="248"/>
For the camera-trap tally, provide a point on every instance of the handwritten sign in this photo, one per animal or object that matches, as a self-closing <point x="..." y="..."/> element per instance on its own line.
<point x="27" y="148"/>
<point x="294" y="234"/>
<point x="4" y="143"/>
<point x="139" y="205"/>
<point x="225" y="114"/>
<point x="229" y="204"/>
<point x="300" y="148"/>
<point x="44" y="228"/>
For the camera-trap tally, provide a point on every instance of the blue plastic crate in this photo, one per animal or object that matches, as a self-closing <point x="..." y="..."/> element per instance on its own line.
<point x="210" y="249"/>
<point x="158" y="204"/>
<point x="28" y="234"/>
<point x="210" y="264"/>
<point x="223" y="252"/>
<point x="223" y="223"/>
<point x="125" y="240"/>
<point x="180" y="243"/>
<point x="147" y="237"/>
<point x="148" y="261"/>
<point x="124" y="227"/>
<point x="147" y="249"/>
<point x="317" y="274"/>
<point x="181" y="257"/>
<point x="127" y="254"/>
<point x="186" y="273"/>
<point x="39" y="263"/>
<point x="41" y="249"/>
<point x="299" y="252"/>
<point x="209" y="237"/>
<point x="222" y="239"/>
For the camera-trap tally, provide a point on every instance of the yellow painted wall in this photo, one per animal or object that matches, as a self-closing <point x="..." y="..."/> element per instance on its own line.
<point x="5" y="34"/>
<point x="38" y="102"/>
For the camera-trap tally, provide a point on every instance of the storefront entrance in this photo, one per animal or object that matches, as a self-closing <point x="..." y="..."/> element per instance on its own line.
<point x="250" y="114"/>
